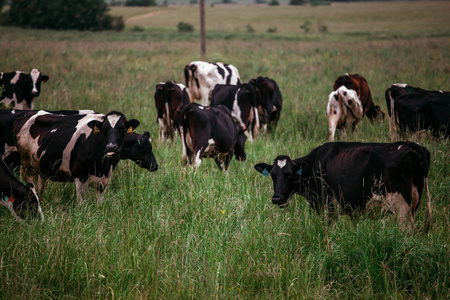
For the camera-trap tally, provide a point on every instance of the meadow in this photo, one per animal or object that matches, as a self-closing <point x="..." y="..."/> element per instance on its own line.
<point x="183" y="234"/>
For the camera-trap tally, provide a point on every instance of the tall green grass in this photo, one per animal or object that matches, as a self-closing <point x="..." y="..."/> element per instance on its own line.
<point x="177" y="233"/>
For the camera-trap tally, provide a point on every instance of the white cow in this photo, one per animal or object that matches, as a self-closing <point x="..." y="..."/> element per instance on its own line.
<point x="344" y="110"/>
<point x="201" y="77"/>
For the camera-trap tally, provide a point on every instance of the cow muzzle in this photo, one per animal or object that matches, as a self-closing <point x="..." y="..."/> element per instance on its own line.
<point x="277" y="200"/>
<point x="111" y="149"/>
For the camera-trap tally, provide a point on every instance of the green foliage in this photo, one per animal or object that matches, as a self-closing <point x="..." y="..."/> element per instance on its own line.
<point x="296" y="2"/>
<point x="185" y="27"/>
<point x="306" y="26"/>
<point x="140" y="3"/>
<point x="62" y="15"/>
<point x="272" y="29"/>
<point x="274" y="3"/>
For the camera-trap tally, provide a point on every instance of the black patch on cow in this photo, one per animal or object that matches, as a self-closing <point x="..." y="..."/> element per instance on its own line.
<point x="221" y="71"/>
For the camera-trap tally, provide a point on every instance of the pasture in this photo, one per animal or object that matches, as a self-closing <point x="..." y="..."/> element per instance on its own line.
<point x="177" y="233"/>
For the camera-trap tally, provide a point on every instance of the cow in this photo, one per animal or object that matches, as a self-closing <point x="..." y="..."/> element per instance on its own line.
<point x="201" y="77"/>
<point x="18" y="89"/>
<point x="359" y="84"/>
<point x="168" y="97"/>
<point x="417" y="112"/>
<point x="82" y="148"/>
<point x="400" y="89"/>
<point x="20" y="199"/>
<point x="344" y="111"/>
<point x="355" y="176"/>
<point x="138" y="148"/>
<point x="269" y="101"/>
<point x="210" y="132"/>
<point x="241" y="101"/>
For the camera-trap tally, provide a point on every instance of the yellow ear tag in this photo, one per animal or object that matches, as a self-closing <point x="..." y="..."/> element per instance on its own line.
<point x="95" y="130"/>
<point x="130" y="130"/>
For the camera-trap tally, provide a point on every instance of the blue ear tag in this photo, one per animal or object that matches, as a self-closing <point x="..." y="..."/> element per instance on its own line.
<point x="299" y="171"/>
<point x="6" y="198"/>
<point x="139" y="142"/>
<point x="265" y="172"/>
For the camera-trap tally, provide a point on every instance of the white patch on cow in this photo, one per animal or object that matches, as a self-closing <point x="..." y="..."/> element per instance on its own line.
<point x="210" y="142"/>
<point x="399" y="147"/>
<point x="16" y="77"/>
<point x="81" y="128"/>
<point x="201" y="107"/>
<point x="1" y="75"/>
<point x="13" y="112"/>
<point x="39" y="204"/>
<point x="236" y="111"/>
<point x="53" y="130"/>
<point x="86" y="112"/>
<point x="281" y="163"/>
<point x="198" y="159"/>
<point x="113" y="119"/>
<point x="34" y="77"/>
<point x="161" y="129"/>
<point x="9" y="206"/>
<point x="184" y="157"/>
<point x="401" y="85"/>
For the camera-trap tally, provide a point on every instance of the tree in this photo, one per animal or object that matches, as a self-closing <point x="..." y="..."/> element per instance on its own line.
<point x="62" y="14"/>
<point x="140" y="3"/>
<point x="296" y="2"/>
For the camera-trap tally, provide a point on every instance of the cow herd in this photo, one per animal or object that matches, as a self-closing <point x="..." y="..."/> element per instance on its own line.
<point x="85" y="147"/>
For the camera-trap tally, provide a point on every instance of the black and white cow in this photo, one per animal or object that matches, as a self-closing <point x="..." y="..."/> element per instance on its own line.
<point x="270" y="101"/>
<point x="81" y="148"/>
<point x="18" y="89"/>
<point x="210" y="132"/>
<point x="344" y="111"/>
<point x="201" y="77"/>
<point x="417" y="112"/>
<point x="20" y="199"/>
<point x="241" y="100"/>
<point x="399" y="89"/>
<point x="391" y="176"/>
<point x="138" y="148"/>
<point x="168" y="97"/>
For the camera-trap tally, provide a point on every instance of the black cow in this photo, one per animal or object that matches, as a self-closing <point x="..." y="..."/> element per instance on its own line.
<point x="18" y="89"/>
<point x="359" y="84"/>
<point x="270" y="101"/>
<point x="356" y="176"/>
<point x="81" y="148"/>
<point x="415" y="112"/>
<point x="399" y="89"/>
<point x="20" y="199"/>
<point x="210" y="132"/>
<point x="168" y="97"/>
<point x="138" y="148"/>
<point x="241" y="100"/>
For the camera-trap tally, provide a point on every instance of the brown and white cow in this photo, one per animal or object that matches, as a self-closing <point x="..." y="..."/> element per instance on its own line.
<point x="201" y="78"/>
<point x="80" y="148"/>
<point x="18" y="89"/>
<point x="344" y="111"/>
<point x="168" y="97"/>
<point x="359" y="84"/>
<point x="210" y="132"/>
<point x="355" y="176"/>
<point x="241" y="100"/>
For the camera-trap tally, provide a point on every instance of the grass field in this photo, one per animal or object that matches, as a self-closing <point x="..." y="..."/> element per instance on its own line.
<point x="177" y="233"/>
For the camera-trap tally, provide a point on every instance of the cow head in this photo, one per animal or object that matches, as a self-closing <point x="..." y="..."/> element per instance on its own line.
<point x="31" y="85"/>
<point x="286" y="175"/>
<point x="138" y="148"/>
<point x="239" y="147"/>
<point x="24" y="203"/>
<point x="113" y="127"/>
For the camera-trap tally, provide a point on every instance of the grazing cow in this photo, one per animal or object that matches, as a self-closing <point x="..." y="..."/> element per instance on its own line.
<point x="241" y="101"/>
<point x="138" y="148"/>
<point x="415" y="112"/>
<point x="8" y="149"/>
<point x="210" y="132"/>
<point x="400" y="89"/>
<point x="201" y="77"/>
<point x="20" y="199"/>
<point x="80" y="148"/>
<point x="270" y="101"/>
<point x="390" y="176"/>
<point x="344" y="110"/>
<point x="359" y="84"/>
<point x="18" y="89"/>
<point x="168" y="97"/>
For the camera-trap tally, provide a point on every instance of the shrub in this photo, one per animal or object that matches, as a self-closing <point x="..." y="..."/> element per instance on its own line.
<point x="274" y="3"/>
<point x="140" y="3"/>
<point x="296" y="2"/>
<point x="62" y="15"/>
<point x="272" y="29"/>
<point x="185" y="27"/>
<point x="250" y="28"/>
<point x="305" y="26"/>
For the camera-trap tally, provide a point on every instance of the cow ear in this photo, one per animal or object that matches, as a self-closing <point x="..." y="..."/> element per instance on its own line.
<point x="95" y="125"/>
<point x="131" y="125"/>
<point x="45" y="78"/>
<point x="263" y="168"/>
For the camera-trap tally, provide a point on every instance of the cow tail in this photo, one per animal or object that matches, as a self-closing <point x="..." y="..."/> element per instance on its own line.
<point x="428" y="223"/>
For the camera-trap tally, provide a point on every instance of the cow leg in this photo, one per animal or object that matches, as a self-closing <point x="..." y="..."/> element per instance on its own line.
<point x="204" y="92"/>
<point x="81" y="189"/>
<point x="394" y="203"/>
<point x="161" y="129"/>
<point x="255" y="124"/>
<point x="185" y="156"/>
<point x="41" y="183"/>
<point x="332" y="124"/>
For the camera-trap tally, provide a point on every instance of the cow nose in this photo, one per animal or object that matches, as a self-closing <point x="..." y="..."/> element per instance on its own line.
<point x="276" y="200"/>
<point x="154" y="168"/>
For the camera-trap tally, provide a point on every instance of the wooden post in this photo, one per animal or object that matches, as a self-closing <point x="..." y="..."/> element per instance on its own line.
<point x="202" y="29"/>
